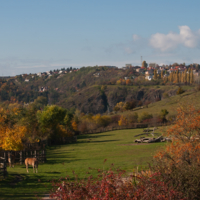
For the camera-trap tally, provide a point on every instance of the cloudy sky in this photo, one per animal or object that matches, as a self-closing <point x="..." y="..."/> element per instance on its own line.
<point x="39" y="35"/>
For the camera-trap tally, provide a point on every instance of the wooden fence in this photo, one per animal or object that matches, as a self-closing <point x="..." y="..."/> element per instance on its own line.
<point x="3" y="169"/>
<point x="130" y="126"/>
<point x="20" y="156"/>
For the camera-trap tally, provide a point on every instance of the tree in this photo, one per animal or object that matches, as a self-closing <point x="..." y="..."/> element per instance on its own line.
<point x="119" y="106"/>
<point x="50" y="118"/>
<point x="155" y="74"/>
<point x="12" y="139"/>
<point x="180" y="91"/>
<point x="144" y="64"/>
<point x="161" y="75"/>
<point x="188" y="77"/>
<point x="179" y="164"/>
<point x="128" y="82"/>
<point x="163" y="114"/>
<point x="191" y="76"/>
<point x="123" y="121"/>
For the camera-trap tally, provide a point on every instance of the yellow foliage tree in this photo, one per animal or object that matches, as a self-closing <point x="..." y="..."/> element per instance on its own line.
<point x="123" y="121"/>
<point x="12" y="138"/>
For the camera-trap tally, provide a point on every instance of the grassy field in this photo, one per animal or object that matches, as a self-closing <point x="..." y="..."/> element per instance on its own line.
<point x="171" y="103"/>
<point x="90" y="151"/>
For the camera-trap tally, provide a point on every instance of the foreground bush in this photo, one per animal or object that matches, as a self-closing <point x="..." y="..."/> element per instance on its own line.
<point x="112" y="185"/>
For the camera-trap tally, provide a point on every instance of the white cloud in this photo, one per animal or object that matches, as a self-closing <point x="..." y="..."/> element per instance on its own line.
<point x="136" y="37"/>
<point x="186" y="37"/>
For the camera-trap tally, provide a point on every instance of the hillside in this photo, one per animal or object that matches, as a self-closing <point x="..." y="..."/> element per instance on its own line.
<point x="90" y="89"/>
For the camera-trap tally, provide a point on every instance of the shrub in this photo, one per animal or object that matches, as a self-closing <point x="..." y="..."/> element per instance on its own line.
<point x="180" y="91"/>
<point x="112" y="185"/>
<point x="144" y="116"/>
<point x="115" y="118"/>
<point x="132" y="117"/>
<point x="153" y="120"/>
<point x="109" y="185"/>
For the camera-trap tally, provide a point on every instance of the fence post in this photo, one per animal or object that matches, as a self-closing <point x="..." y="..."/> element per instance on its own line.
<point x="21" y="157"/>
<point x="5" y="156"/>
<point x="9" y="156"/>
<point x="26" y="154"/>
<point x="43" y="155"/>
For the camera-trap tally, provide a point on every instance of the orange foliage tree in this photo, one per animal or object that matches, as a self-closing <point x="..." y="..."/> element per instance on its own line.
<point x="179" y="162"/>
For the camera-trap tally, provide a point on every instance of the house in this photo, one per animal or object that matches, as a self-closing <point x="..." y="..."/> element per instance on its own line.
<point x="140" y="70"/>
<point x="149" y="77"/>
<point x="96" y="74"/>
<point x="43" y="89"/>
<point x="128" y="65"/>
<point x="126" y="78"/>
<point x="149" y="72"/>
<point x="166" y="75"/>
<point x="26" y="80"/>
<point x="152" y="65"/>
<point x="197" y="73"/>
<point x="158" y="71"/>
<point x="39" y="74"/>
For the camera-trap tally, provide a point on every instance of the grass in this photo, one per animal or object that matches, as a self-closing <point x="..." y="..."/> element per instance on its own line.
<point x="171" y="103"/>
<point x="90" y="151"/>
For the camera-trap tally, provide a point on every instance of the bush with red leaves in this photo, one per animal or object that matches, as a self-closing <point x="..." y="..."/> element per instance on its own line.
<point x="111" y="185"/>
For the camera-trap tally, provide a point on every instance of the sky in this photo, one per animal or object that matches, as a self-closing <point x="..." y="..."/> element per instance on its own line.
<point x="41" y="35"/>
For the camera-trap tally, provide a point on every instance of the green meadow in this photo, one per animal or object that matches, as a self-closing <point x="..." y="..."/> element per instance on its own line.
<point x="171" y="103"/>
<point x="90" y="151"/>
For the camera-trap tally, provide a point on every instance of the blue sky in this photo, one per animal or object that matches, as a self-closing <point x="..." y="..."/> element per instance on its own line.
<point x="40" y="35"/>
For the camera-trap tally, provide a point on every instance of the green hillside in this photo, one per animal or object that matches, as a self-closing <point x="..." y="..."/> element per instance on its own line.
<point x="91" y="89"/>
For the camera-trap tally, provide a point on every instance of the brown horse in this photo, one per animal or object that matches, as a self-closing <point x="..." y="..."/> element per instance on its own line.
<point x="33" y="162"/>
<point x="11" y="160"/>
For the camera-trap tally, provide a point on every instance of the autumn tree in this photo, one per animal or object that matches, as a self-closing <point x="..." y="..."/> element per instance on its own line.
<point x="144" y="64"/>
<point x="119" y="106"/>
<point x="155" y="74"/>
<point x="161" y="75"/>
<point x="191" y="76"/>
<point x="128" y="82"/>
<point x="179" y="164"/>
<point x="50" y="119"/>
<point x="163" y="114"/>
<point x="122" y="121"/>
<point x="11" y="134"/>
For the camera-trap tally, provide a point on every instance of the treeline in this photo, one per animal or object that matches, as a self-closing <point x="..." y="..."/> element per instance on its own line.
<point x="28" y="124"/>
<point x="186" y="77"/>
<point x="20" y="124"/>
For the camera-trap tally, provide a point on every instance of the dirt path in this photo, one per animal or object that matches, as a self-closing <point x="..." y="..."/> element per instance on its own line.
<point x="46" y="197"/>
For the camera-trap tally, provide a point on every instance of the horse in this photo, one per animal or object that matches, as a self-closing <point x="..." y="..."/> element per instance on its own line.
<point x="11" y="160"/>
<point x="33" y="162"/>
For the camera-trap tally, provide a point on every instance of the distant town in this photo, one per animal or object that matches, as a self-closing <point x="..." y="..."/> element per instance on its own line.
<point x="146" y="69"/>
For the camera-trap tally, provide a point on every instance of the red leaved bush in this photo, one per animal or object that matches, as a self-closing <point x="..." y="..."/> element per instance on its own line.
<point x="113" y="186"/>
